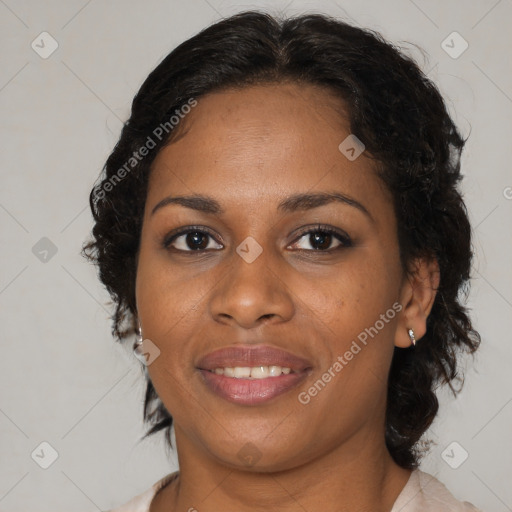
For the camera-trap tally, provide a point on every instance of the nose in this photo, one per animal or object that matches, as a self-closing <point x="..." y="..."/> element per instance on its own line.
<point x="252" y="293"/>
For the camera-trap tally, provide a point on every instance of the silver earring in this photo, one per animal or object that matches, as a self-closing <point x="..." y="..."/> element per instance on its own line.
<point x="138" y="347"/>
<point x="138" y="339"/>
<point x="410" y="332"/>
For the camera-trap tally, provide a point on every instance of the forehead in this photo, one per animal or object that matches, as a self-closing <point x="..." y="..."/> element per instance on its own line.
<point x="265" y="141"/>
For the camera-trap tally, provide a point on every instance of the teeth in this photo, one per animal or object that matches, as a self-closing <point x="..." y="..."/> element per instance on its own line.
<point x="242" y="373"/>
<point x="256" y="372"/>
<point x="262" y="372"/>
<point x="275" y="371"/>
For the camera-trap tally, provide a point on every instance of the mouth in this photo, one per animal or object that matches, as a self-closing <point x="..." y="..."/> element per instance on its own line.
<point x="252" y="375"/>
<point x="254" y="372"/>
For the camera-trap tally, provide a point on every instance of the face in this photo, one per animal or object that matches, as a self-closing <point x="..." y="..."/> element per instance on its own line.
<point x="253" y="267"/>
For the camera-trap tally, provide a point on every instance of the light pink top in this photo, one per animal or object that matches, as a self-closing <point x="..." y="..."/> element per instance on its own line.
<point x="422" y="493"/>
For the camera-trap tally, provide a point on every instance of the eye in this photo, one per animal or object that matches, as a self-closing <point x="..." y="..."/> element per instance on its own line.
<point x="322" y="237"/>
<point x="193" y="239"/>
<point x="198" y="239"/>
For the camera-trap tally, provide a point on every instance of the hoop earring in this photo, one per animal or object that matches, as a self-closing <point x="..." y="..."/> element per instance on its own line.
<point x="138" y="338"/>
<point x="410" y="332"/>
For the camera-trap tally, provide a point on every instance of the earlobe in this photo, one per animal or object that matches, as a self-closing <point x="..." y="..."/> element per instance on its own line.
<point x="417" y="297"/>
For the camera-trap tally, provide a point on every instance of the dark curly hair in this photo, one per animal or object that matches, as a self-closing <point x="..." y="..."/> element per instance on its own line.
<point x="403" y="122"/>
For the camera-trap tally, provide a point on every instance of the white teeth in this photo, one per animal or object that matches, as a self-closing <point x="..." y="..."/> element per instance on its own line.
<point x="242" y="372"/>
<point x="260" y="372"/>
<point x="256" y="372"/>
<point x="275" y="371"/>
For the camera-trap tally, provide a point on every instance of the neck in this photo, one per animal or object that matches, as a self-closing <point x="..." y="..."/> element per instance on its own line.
<point x="357" y="475"/>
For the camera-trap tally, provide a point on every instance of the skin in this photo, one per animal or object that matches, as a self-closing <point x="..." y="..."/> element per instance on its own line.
<point x="249" y="149"/>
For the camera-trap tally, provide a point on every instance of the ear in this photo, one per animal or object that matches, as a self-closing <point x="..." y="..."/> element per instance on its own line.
<point x="417" y="295"/>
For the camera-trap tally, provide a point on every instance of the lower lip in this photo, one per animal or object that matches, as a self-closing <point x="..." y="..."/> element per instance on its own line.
<point x="251" y="391"/>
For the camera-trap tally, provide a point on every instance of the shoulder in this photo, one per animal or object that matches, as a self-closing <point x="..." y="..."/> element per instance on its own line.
<point x="142" y="502"/>
<point x="424" y="492"/>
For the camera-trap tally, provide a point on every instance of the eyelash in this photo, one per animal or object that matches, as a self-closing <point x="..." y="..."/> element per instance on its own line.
<point x="341" y="236"/>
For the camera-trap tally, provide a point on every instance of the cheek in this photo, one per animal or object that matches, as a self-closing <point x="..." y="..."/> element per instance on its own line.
<point x="354" y="318"/>
<point x="354" y="296"/>
<point x="171" y="301"/>
<point x="358" y="320"/>
<point x="167" y="292"/>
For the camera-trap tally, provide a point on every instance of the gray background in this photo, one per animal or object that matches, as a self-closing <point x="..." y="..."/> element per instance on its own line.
<point x="62" y="378"/>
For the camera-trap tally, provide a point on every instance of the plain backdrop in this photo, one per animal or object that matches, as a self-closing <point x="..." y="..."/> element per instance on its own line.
<point x="63" y="380"/>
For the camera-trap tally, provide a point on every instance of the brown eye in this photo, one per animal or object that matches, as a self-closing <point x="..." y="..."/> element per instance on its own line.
<point x="191" y="240"/>
<point x="321" y="239"/>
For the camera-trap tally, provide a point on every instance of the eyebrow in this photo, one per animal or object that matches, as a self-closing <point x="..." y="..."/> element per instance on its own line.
<point x="296" y="202"/>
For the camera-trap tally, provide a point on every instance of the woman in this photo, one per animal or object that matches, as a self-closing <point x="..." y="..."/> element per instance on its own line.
<point x="281" y="227"/>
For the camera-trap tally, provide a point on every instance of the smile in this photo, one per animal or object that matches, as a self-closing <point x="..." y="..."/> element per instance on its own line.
<point x="255" y="372"/>
<point x="251" y="390"/>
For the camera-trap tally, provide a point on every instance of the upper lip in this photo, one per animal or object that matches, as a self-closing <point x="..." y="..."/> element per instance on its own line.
<point x="250" y="356"/>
